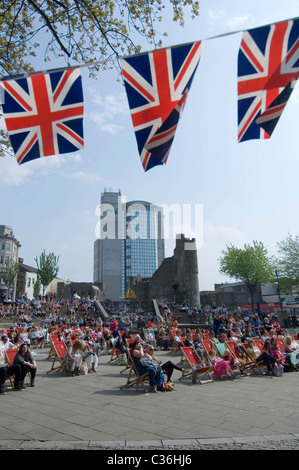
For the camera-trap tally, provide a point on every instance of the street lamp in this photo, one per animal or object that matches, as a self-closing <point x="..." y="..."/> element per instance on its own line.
<point x="278" y="286"/>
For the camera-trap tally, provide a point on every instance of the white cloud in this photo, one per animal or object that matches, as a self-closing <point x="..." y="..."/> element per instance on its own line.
<point x="87" y="177"/>
<point x="12" y="174"/>
<point x="233" y="22"/>
<point x="239" y="20"/>
<point x="107" y="109"/>
<point x="101" y="120"/>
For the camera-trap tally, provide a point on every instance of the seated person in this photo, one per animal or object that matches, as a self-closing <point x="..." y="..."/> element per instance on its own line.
<point x="149" y="337"/>
<point x="221" y="367"/>
<point x="198" y="346"/>
<point x="252" y="349"/>
<point x="268" y="323"/>
<point x="37" y="337"/>
<point x="126" y="335"/>
<point x="291" y="351"/>
<point x="164" y="339"/>
<point x="173" y="323"/>
<point x="73" y="358"/>
<point x="25" y="360"/>
<point x="167" y="367"/>
<point x="5" y="369"/>
<point x="189" y="341"/>
<point x="89" y="356"/>
<point x="178" y="339"/>
<point x="145" y="364"/>
<point x="213" y="337"/>
<point x="267" y="357"/>
<point x="7" y="344"/>
<point x="249" y="333"/>
<point x="223" y="338"/>
<point x="276" y="351"/>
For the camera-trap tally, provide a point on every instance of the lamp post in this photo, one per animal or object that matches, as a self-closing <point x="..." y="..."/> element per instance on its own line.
<point x="278" y="286"/>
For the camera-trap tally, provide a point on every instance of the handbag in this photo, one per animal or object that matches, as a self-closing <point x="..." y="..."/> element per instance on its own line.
<point x="168" y="387"/>
<point x="278" y="370"/>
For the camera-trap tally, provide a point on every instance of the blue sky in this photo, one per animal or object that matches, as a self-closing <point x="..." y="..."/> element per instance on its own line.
<point x="248" y="191"/>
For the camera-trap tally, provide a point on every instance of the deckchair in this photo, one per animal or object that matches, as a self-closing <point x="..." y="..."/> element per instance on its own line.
<point x="176" y="346"/>
<point x="114" y="351"/>
<point x="10" y="354"/>
<point x="241" y="356"/>
<point x="59" y="350"/>
<point x="258" y="343"/>
<point x="196" y="364"/>
<point x="54" y="339"/>
<point x="281" y="344"/>
<point x="205" y="335"/>
<point x="220" y="347"/>
<point x="134" y="378"/>
<point x="208" y="345"/>
<point x="126" y="344"/>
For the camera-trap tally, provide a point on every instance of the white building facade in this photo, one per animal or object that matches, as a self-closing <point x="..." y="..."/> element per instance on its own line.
<point x="9" y="250"/>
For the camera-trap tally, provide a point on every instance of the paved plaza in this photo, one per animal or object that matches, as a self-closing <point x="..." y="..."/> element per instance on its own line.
<point x="91" y="412"/>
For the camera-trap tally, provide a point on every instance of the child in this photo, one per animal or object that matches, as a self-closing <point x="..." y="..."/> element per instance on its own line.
<point x="221" y="367"/>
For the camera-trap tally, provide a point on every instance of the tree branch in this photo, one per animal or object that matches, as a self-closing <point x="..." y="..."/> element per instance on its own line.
<point x="48" y="23"/>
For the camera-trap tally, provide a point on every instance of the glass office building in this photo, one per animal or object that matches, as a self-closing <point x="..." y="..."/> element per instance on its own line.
<point x="136" y="249"/>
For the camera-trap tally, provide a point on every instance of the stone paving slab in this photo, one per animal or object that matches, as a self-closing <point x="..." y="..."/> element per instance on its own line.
<point x="91" y="412"/>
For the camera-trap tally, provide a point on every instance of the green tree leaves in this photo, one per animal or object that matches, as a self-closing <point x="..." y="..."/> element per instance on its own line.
<point x="79" y="30"/>
<point x="251" y="264"/>
<point x="10" y="272"/>
<point x="288" y="262"/>
<point x="47" y="266"/>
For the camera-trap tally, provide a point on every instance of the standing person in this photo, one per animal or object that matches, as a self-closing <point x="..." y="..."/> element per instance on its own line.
<point x="217" y="325"/>
<point x="25" y="360"/>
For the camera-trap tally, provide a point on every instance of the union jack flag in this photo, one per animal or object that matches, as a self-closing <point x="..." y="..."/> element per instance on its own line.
<point x="270" y="117"/>
<point x="43" y="113"/>
<point x="268" y="62"/>
<point x="157" y="84"/>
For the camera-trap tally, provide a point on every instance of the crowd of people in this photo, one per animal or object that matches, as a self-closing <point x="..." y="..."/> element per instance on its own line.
<point x="86" y="336"/>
